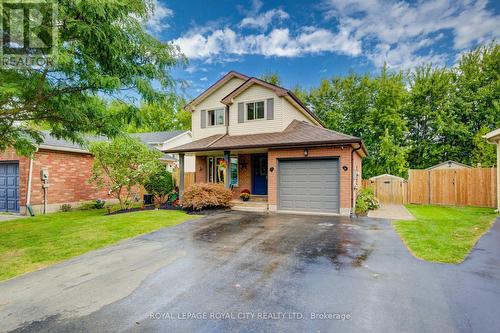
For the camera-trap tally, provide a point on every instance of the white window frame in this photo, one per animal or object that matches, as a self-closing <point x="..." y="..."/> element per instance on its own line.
<point x="215" y="111"/>
<point x="254" y="103"/>
<point x="214" y="165"/>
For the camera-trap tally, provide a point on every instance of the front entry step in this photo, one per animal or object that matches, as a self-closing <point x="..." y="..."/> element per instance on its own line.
<point x="249" y="206"/>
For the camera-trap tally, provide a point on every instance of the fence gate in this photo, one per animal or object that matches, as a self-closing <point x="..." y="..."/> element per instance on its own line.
<point x="389" y="189"/>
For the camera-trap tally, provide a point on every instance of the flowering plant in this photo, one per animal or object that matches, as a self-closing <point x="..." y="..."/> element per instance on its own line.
<point x="222" y="164"/>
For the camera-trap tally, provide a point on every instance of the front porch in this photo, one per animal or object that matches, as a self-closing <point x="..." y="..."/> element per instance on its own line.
<point x="238" y="171"/>
<point x="256" y="203"/>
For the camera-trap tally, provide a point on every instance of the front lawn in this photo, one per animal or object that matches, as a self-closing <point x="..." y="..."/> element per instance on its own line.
<point x="444" y="234"/>
<point x="32" y="243"/>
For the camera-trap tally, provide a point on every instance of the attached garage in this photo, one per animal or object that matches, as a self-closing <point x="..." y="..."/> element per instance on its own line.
<point x="309" y="185"/>
<point x="9" y="187"/>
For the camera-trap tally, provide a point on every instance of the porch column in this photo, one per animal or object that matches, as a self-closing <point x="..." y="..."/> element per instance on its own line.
<point x="227" y="159"/>
<point x="181" y="175"/>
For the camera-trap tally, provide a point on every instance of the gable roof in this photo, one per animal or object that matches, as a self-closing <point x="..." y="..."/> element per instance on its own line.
<point x="280" y="91"/>
<point x="449" y="162"/>
<point x="387" y="175"/>
<point x="297" y="134"/>
<point x="215" y="86"/>
<point x="492" y="136"/>
<point x="157" y="137"/>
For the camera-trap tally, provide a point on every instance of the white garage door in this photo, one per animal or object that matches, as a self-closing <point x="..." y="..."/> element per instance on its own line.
<point x="309" y="185"/>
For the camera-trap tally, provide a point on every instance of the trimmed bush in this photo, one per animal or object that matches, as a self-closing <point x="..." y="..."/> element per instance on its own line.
<point x="160" y="184"/>
<point x="206" y="196"/>
<point x="366" y="201"/>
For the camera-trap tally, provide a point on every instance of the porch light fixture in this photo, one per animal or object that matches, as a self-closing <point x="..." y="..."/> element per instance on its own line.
<point x="345" y="168"/>
<point x="306" y="152"/>
<point x="271" y="169"/>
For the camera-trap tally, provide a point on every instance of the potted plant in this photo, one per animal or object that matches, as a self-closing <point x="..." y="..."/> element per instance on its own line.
<point x="245" y="195"/>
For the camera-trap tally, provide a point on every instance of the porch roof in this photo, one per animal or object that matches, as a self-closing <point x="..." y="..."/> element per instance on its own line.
<point x="297" y="134"/>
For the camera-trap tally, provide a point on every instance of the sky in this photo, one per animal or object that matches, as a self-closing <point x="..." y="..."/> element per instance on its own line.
<point x="307" y="41"/>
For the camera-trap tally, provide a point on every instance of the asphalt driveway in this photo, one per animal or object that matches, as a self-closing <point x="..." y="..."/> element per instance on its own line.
<point x="260" y="273"/>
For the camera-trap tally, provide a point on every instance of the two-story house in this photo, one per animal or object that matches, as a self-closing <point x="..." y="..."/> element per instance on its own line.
<point x="273" y="146"/>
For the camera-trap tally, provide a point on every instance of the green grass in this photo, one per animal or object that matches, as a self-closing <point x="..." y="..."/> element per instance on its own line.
<point x="444" y="234"/>
<point x="31" y="243"/>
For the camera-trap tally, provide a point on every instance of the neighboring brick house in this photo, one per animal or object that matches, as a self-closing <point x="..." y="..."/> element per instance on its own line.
<point x="249" y="134"/>
<point x="69" y="169"/>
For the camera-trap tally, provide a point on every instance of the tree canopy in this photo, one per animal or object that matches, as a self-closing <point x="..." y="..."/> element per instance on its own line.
<point x="121" y="165"/>
<point x="102" y="50"/>
<point x="417" y="119"/>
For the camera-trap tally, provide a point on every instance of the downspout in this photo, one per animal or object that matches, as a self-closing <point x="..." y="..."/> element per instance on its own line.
<point x="352" y="180"/>
<point x="30" y="176"/>
<point x="227" y="120"/>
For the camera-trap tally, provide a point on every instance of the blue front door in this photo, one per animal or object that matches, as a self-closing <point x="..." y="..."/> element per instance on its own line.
<point x="259" y="172"/>
<point x="9" y="187"/>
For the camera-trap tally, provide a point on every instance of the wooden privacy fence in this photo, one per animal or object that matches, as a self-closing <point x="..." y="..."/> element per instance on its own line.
<point x="389" y="188"/>
<point x="454" y="187"/>
<point x="188" y="178"/>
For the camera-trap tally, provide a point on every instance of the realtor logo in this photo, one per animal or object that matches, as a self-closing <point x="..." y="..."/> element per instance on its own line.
<point x="28" y="35"/>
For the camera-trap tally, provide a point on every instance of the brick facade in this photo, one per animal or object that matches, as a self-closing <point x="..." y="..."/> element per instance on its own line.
<point x="245" y="171"/>
<point x="344" y="155"/>
<point x="68" y="178"/>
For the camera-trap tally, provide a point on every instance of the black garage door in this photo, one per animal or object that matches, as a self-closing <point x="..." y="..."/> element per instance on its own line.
<point x="9" y="187"/>
<point x="309" y="185"/>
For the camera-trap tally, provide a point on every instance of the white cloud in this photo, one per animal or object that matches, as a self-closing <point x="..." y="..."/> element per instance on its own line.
<point x="278" y="42"/>
<point x="263" y="20"/>
<point x="404" y="35"/>
<point x="204" y="78"/>
<point x="157" y="20"/>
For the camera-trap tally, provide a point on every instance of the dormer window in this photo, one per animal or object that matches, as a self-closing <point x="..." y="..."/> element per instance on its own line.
<point x="255" y="110"/>
<point x="215" y="117"/>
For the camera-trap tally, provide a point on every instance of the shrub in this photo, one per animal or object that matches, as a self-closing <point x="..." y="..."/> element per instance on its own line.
<point x="206" y="196"/>
<point x="96" y="204"/>
<point x="160" y="184"/>
<point x="245" y="196"/>
<point x="366" y="201"/>
<point x="65" y="208"/>
<point x="245" y="191"/>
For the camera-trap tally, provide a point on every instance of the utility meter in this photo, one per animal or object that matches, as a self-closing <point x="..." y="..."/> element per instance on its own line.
<point x="44" y="174"/>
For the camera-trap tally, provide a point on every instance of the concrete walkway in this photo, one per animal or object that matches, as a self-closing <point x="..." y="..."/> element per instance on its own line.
<point x="391" y="212"/>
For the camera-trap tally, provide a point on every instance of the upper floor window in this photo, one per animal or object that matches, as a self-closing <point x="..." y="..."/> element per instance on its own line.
<point x="215" y="117"/>
<point x="255" y="110"/>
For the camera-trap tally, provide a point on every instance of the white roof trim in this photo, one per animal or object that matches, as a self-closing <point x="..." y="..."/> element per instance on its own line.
<point x="175" y="137"/>
<point x="446" y="162"/>
<point x="67" y="149"/>
<point x="492" y="136"/>
<point x="387" y="175"/>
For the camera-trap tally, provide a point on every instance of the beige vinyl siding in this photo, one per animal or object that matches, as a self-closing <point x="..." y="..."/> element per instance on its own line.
<point x="189" y="161"/>
<point x="213" y="101"/>
<point x="255" y="93"/>
<point x="290" y="113"/>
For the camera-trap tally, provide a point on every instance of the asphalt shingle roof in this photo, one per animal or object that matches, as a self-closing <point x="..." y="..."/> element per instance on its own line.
<point x="146" y="138"/>
<point x="157" y="137"/>
<point x="298" y="133"/>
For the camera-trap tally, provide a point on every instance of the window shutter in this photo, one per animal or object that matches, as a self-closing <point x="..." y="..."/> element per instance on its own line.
<point x="270" y="108"/>
<point x="241" y="113"/>
<point x="203" y="118"/>
<point x="226" y="115"/>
